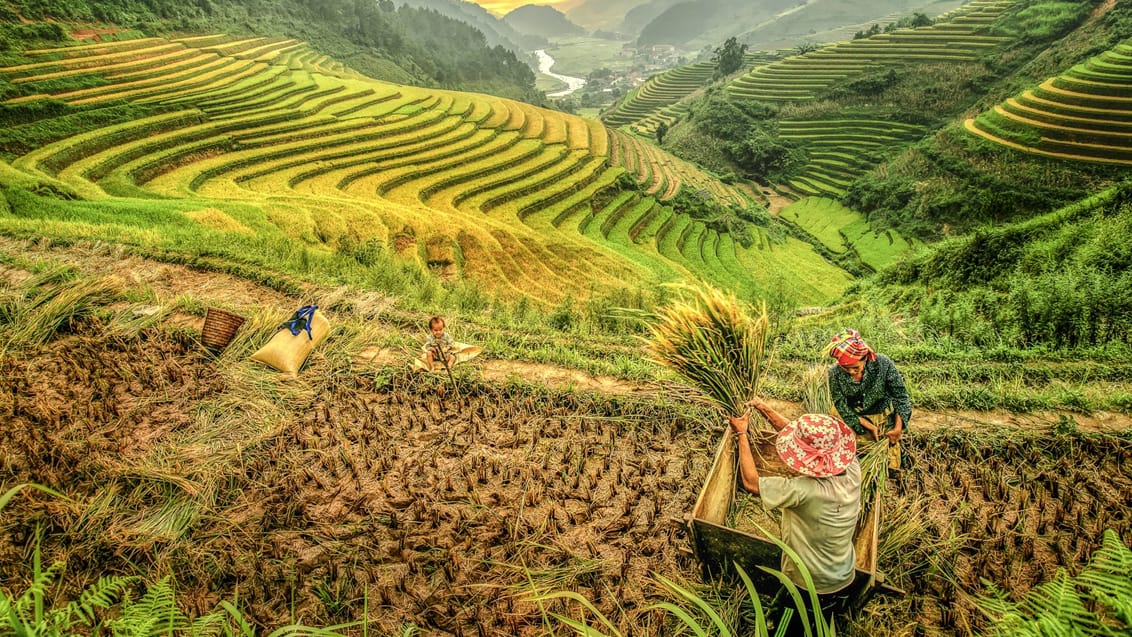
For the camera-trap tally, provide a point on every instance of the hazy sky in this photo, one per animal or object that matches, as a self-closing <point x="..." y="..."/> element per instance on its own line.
<point x="501" y="7"/>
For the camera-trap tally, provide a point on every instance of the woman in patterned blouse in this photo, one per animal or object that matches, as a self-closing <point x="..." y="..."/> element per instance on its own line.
<point x="867" y="388"/>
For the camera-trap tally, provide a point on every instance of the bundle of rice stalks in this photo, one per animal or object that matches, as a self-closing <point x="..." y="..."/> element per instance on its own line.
<point x="713" y="342"/>
<point x="45" y="306"/>
<point x="816" y="398"/>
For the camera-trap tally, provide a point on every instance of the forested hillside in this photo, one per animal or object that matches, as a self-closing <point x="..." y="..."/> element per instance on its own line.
<point x="494" y="29"/>
<point x="379" y="38"/>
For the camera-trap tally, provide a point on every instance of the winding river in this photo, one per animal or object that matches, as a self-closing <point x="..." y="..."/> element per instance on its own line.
<point x="545" y="62"/>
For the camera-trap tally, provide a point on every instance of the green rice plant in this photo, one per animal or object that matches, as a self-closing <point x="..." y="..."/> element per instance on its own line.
<point x="907" y="547"/>
<point x="715" y="343"/>
<point x="873" y="457"/>
<point x="816" y="398"/>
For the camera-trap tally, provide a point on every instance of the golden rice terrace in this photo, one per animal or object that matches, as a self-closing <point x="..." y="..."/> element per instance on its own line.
<point x="520" y="200"/>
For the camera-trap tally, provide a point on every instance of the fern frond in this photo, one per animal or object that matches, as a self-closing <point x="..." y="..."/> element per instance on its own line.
<point x="100" y="595"/>
<point x="1108" y="578"/>
<point x="1059" y="600"/>
<point x="38" y="587"/>
<point x="210" y="625"/>
<point x="156" y="613"/>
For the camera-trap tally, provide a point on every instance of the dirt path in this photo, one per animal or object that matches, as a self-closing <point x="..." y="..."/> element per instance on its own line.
<point x="1104" y="8"/>
<point x="777" y="201"/>
<point x="169" y="282"/>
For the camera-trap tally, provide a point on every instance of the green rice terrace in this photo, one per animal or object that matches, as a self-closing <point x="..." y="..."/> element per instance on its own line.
<point x="957" y="37"/>
<point x="659" y="98"/>
<point x="277" y="141"/>
<point x="841" y="143"/>
<point x="1084" y="114"/>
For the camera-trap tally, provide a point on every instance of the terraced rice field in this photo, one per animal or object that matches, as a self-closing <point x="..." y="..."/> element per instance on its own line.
<point x="958" y="37"/>
<point x="1084" y="114"/>
<point x="501" y="189"/>
<point x="842" y="229"/>
<point x="658" y="99"/>
<point x="840" y="150"/>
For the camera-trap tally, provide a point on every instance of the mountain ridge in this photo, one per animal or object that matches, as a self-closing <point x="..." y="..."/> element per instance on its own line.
<point x="541" y="20"/>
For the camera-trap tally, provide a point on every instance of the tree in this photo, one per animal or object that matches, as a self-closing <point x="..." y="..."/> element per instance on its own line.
<point x="661" y="131"/>
<point x="729" y="57"/>
<point x="921" y="20"/>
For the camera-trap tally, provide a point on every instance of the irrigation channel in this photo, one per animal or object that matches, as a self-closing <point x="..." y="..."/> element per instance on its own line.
<point x="545" y="63"/>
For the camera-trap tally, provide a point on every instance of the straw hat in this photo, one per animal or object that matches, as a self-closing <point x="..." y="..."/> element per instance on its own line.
<point x="817" y="445"/>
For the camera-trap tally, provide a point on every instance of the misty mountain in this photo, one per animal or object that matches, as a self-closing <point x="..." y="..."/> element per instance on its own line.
<point x="767" y="24"/>
<point x="606" y="15"/>
<point x="639" y="16"/>
<point x="541" y="20"/>
<point x="830" y="21"/>
<point x="684" y="22"/>
<point x="497" y="32"/>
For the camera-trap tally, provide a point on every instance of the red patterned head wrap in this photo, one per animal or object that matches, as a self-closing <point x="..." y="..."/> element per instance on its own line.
<point x="848" y="347"/>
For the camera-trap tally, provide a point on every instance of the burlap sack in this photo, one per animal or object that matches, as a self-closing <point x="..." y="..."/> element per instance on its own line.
<point x="287" y="352"/>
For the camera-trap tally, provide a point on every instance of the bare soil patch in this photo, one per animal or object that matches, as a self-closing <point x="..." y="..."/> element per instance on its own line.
<point x="94" y="35"/>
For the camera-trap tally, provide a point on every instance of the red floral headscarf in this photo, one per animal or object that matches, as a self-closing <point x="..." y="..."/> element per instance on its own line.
<point x="848" y="347"/>
<point x="817" y="445"/>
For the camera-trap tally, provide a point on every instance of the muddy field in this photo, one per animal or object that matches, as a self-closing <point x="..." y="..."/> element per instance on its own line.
<point x="425" y="506"/>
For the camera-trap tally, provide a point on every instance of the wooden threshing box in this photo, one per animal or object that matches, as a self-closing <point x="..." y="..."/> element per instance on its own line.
<point x="717" y="546"/>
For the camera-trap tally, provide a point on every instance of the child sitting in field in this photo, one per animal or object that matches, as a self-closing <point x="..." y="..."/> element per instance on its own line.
<point x="438" y="339"/>
<point x="450" y="351"/>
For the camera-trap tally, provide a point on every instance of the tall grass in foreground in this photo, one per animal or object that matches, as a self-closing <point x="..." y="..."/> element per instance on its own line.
<point x="715" y="343"/>
<point x="702" y="617"/>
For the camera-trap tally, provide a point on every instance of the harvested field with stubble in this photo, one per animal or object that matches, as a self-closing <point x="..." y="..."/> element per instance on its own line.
<point x="398" y="495"/>
<point x="359" y="490"/>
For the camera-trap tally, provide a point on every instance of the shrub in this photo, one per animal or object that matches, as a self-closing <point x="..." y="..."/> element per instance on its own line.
<point x="564" y="317"/>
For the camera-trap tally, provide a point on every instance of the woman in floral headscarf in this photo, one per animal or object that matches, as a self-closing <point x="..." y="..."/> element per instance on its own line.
<point x="867" y="389"/>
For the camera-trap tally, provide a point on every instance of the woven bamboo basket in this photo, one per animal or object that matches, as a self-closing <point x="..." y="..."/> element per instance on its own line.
<point x="219" y="328"/>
